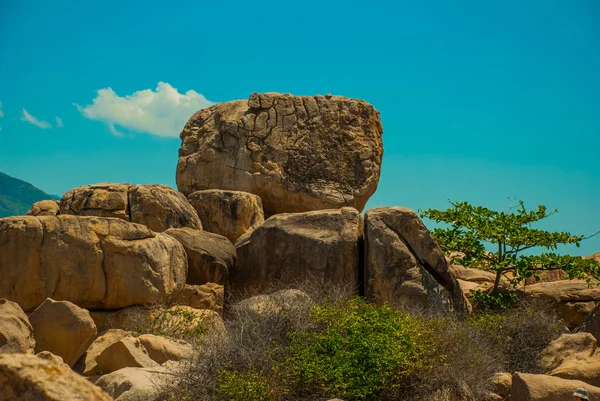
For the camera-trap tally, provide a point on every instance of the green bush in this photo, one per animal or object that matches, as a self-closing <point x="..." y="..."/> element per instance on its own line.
<point x="358" y="351"/>
<point x="248" y="386"/>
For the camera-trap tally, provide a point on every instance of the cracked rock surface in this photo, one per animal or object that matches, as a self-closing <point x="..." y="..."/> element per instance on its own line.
<point x="298" y="153"/>
<point x="93" y="262"/>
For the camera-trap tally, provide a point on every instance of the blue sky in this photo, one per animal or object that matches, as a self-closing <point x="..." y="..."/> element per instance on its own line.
<point x="480" y="101"/>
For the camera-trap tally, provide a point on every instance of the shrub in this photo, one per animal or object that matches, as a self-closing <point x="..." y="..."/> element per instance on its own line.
<point x="249" y="386"/>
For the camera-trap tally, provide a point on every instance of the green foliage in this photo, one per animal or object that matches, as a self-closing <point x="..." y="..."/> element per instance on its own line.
<point x="248" y="386"/>
<point x="358" y="350"/>
<point x="471" y="228"/>
<point x="501" y="299"/>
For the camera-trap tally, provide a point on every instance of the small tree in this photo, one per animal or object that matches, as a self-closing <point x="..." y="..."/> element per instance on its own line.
<point x="510" y="234"/>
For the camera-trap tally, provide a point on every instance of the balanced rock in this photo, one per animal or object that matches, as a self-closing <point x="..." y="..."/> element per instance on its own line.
<point x="159" y="207"/>
<point x="298" y="153"/>
<point x="28" y="377"/>
<point x="210" y="256"/>
<point x="92" y="262"/>
<point x="62" y="328"/>
<point x="128" y="352"/>
<point x="532" y="387"/>
<point x="404" y="265"/>
<point x="228" y="213"/>
<point x="44" y="208"/>
<point x="16" y="333"/>
<point x="321" y="246"/>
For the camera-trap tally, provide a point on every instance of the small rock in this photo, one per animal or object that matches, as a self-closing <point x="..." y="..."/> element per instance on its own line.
<point x="44" y="208"/>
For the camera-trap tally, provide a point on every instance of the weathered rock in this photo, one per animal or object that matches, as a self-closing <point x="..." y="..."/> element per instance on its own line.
<point x="27" y="377"/>
<point x="159" y="207"/>
<point x="274" y="303"/>
<point x="297" y="153"/>
<point x="92" y="262"/>
<point x="135" y="384"/>
<point x="161" y="349"/>
<point x="128" y="352"/>
<point x="207" y="296"/>
<point x="182" y="321"/>
<point x="404" y="265"/>
<point x="321" y="246"/>
<point x="573" y="357"/>
<point x="16" y="333"/>
<point x="53" y="359"/>
<point x="575" y="313"/>
<point x="228" y="213"/>
<point x="502" y="383"/>
<point x="62" y="328"/>
<point x="87" y="365"/>
<point x="592" y="324"/>
<point x="210" y="256"/>
<point x="44" y="208"/>
<point x="531" y="387"/>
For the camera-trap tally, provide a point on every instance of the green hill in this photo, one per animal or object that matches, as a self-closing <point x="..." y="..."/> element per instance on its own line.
<point x="17" y="196"/>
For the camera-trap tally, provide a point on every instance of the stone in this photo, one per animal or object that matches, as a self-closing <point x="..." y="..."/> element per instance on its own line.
<point x="87" y="365"/>
<point x="210" y="256"/>
<point x="159" y="207"/>
<point x="404" y="265"/>
<point x="273" y="303"/>
<point x="227" y="213"/>
<point x="321" y="246"/>
<point x="62" y="328"/>
<point x="573" y="357"/>
<point x="207" y="296"/>
<point x="27" y="377"/>
<point x="135" y="384"/>
<point x="575" y="313"/>
<point x="53" y="359"/>
<point x="532" y="387"/>
<point x="16" y="333"/>
<point x="128" y="352"/>
<point x="162" y="349"/>
<point x="188" y="323"/>
<point x="298" y="153"/>
<point x="44" y="208"/>
<point x="93" y="262"/>
<point x="502" y="382"/>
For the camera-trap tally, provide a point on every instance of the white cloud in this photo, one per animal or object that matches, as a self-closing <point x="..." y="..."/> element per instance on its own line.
<point x="31" y="119"/>
<point x="59" y="122"/>
<point x="162" y="113"/>
<point x="1" y="113"/>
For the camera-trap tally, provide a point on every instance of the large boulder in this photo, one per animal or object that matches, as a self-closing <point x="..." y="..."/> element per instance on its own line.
<point x="44" y="208"/>
<point x="404" y="265"/>
<point x="62" y="328"/>
<point x="28" y="377"/>
<point x="210" y="256"/>
<point x="574" y="357"/>
<point x="161" y="349"/>
<point x="92" y="262"/>
<point x="532" y="387"/>
<point x="159" y="207"/>
<point x="128" y="352"/>
<point x="87" y="364"/>
<point x="16" y="333"/>
<point x="298" y="153"/>
<point x="228" y="213"/>
<point x="135" y="384"/>
<point x="321" y="246"/>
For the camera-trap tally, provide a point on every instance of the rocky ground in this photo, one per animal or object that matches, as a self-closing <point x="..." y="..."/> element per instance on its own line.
<point x="88" y="281"/>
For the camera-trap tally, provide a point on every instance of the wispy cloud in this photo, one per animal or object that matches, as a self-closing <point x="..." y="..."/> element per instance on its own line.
<point x="163" y="112"/>
<point x="33" y="120"/>
<point x="59" y="122"/>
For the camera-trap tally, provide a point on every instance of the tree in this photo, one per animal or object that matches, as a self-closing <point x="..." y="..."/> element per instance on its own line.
<point x="510" y="234"/>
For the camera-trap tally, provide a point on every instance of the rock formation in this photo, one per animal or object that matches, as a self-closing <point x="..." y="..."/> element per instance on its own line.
<point x="298" y="153"/>
<point x="228" y="213"/>
<point x="92" y="262"/>
<point x="159" y="207"/>
<point x="16" y="333"/>
<point x="404" y="265"/>
<point x="291" y="247"/>
<point x="44" y="208"/>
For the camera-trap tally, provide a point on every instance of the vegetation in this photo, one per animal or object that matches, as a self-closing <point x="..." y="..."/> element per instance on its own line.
<point x="16" y="196"/>
<point x="513" y="239"/>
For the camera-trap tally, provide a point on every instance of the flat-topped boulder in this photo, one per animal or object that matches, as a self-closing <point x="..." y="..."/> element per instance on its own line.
<point x="159" y="207"/>
<point x="93" y="262"/>
<point x="298" y="153"/>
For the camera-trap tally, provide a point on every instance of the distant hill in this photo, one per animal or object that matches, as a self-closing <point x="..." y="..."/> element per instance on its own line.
<point x="17" y="196"/>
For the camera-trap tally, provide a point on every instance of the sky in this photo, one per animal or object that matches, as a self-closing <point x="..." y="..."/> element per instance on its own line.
<point x="480" y="101"/>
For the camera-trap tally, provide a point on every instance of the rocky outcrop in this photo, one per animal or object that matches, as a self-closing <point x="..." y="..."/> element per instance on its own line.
<point x="531" y="387"/>
<point x="27" y="377"/>
<point x="227" y="213"/>
<point x="573" y="357"/>
<point x="62" y="328"/>
<point x="44" y="208"/>
<point x="159" y="207"/>
<point x="297" y="153"/>
<point x="92" y="262"/>
<point x="321" y="246"/>
<point x="87" y="364"/>
<point x="210" y="256"/>
<point x="207" y="296"/>
<point x="135" y="384"/>
<point x="16" y="333"/>
<point x="404" y="265"/>
<point x="128" y="352"/>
